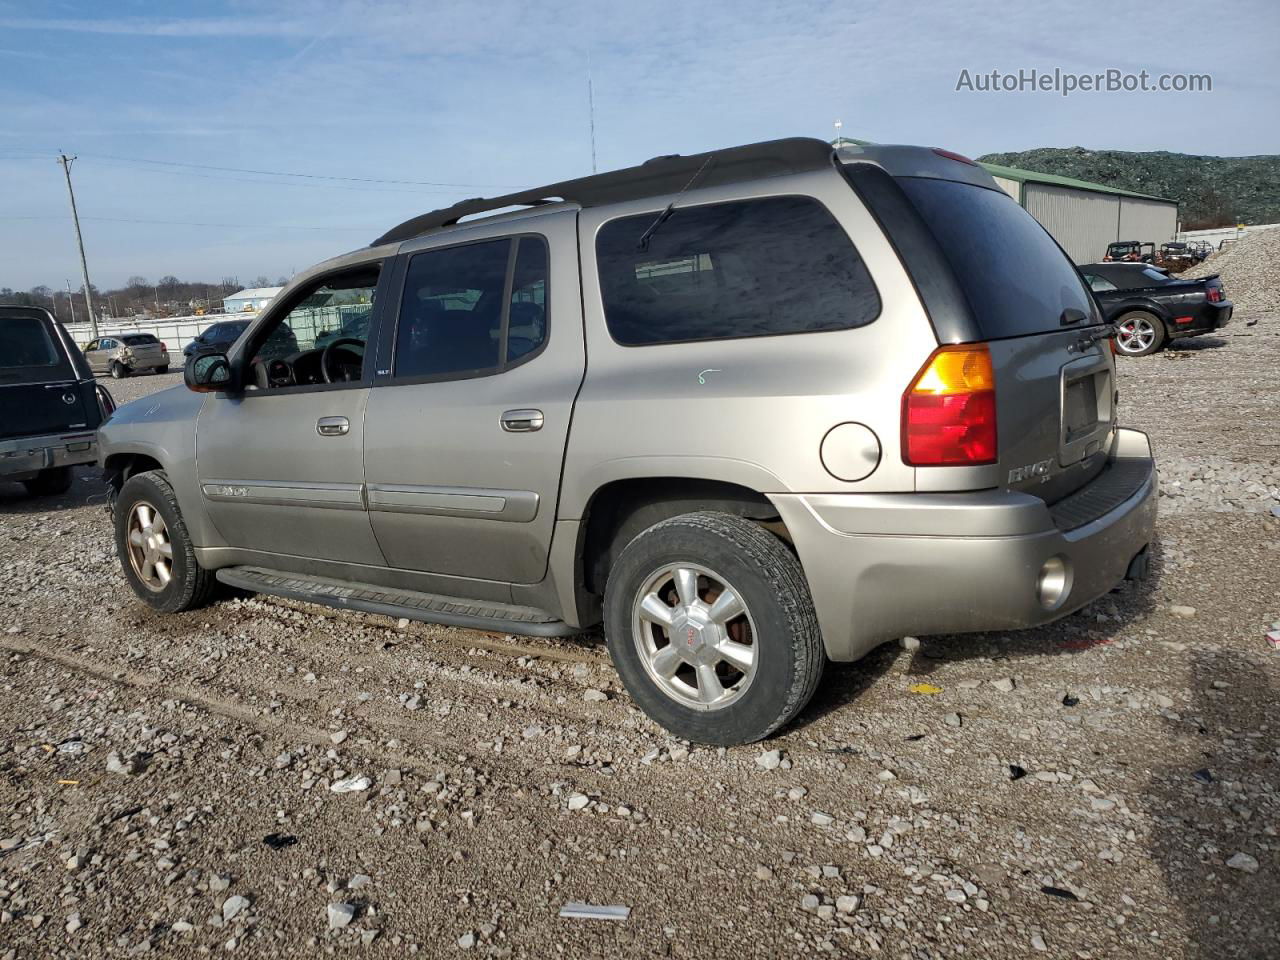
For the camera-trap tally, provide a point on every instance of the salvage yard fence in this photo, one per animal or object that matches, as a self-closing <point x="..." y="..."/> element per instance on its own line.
<point x="177" y="332"/>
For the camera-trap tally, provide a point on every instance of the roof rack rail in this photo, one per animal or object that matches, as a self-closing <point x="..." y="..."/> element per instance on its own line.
<point x="656" y="177"/>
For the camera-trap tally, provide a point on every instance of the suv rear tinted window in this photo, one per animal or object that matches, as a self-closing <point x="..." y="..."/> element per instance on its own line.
<point x="25" y="342"/>
<point x="138" y="339"/>
<point x="749" y="268"/>
<point x="1016" y="278"/>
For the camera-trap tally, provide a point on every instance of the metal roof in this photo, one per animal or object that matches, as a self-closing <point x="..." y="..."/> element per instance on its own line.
<point x="254" y="293"/>
<point x="653" y="178"/>
<point x="1033" y="176"/>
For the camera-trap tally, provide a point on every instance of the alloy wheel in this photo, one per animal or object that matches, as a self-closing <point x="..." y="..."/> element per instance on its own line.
<point x="695" y="636"/>
<point x="1135" y="335"/>
<point x="150" y="550"/>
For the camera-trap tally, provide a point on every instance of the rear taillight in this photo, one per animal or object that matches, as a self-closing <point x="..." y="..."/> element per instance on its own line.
<point x="949" y="411"/>
<point x="164" y="347"/>
<point x="1214" y="294"/>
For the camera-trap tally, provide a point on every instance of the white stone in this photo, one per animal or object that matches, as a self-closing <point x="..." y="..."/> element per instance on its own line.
<point x="1242" y="861"/>
<point x="340" y="914"/>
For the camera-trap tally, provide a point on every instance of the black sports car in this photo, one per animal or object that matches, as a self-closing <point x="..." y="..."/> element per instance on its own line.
<point x="1150" y="308"/>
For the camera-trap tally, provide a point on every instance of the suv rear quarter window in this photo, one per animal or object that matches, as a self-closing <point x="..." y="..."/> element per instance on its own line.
<point x="1016" y="278"/>
<point x="746" y="268"/>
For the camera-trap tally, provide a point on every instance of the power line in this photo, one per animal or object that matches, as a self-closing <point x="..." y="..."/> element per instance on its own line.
<point x="307" y="176"/>
<point x="191" y="223"/>
<point x="304" y="183"/>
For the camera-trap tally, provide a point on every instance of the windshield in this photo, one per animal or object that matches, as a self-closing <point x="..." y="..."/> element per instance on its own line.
<point x="1016" y="278"/>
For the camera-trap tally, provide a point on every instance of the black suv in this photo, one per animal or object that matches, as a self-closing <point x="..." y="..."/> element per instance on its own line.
<point x="50" y="404"/>
<point x="219" y="337"/>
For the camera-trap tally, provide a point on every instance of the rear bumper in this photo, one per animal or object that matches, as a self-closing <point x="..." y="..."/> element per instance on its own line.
<point x="23" y="458"/>
<point x="145" y="363"/>
<point x="882" y="566"/>
<point x="1207" y="318"/>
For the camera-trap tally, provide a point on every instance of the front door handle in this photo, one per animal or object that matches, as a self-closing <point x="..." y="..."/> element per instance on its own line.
<point x="333" y="426"/>
<point x="522" y="421"/>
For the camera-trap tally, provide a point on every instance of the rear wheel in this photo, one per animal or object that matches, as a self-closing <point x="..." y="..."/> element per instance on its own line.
<point x="712" y="629"/>
<point x="1139" y="333"/>
<point x="118" y="370"/>
<point x="154" y="548"/>
<point x="49" y="483"/>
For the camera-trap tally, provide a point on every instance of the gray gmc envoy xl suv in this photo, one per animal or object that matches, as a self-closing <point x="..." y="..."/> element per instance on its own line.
<point x="752" y="409"/>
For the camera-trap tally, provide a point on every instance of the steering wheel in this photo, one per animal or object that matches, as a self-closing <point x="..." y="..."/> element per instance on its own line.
<point x="327" y="356"/>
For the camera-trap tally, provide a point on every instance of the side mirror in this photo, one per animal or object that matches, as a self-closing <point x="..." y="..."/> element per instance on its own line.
<point x="208" y="373"/>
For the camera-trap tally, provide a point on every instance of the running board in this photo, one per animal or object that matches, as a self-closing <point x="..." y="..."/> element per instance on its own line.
<point x="427" y="607"/>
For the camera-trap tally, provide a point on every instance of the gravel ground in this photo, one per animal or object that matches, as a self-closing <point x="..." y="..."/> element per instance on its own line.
<point x="1102" y="787"/>
<point x="1250" y="270"/>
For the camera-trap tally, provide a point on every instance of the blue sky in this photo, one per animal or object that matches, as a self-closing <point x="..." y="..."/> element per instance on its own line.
<point x="479" y="97"/>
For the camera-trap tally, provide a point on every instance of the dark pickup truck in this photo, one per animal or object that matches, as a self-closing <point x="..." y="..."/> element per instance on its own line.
<point x="50" y="404"/>
<point x="1149" y="308"/>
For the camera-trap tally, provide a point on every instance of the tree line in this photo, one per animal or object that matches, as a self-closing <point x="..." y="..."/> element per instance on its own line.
<point x="139" y="297"/>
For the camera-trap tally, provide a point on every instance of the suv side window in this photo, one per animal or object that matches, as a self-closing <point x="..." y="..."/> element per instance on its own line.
<point x="473" y="309"/>
<point x="746" y="268"/>
<point x="285" y="350"/>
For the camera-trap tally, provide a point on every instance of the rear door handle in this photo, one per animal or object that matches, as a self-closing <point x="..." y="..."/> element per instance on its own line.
<point x="333" y="426"/>
<point x="522" y="421"/>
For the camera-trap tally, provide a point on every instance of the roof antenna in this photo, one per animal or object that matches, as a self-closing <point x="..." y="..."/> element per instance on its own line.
<point x="838" y="124"/>
<point x="591" y="114"/>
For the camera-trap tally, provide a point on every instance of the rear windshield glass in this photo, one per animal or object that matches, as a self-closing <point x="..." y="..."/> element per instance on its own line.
<point x="25" y="342"/>
<point x="139" y="339"/>
<point x="1017" y="280"/>
<point x="749" y="268"/>
<point x="1156" y="276"/>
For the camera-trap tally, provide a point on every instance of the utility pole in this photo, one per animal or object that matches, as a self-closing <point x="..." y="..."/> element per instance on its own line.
<point x="84" y="266"/>
<point x="72" y="304"/>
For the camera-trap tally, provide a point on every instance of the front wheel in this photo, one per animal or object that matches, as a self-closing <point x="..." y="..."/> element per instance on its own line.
<point x="711" y="626"/>
<point x="118" y="370"/>
<point x="154" y="547"/>
<point x="1139" y="333"/>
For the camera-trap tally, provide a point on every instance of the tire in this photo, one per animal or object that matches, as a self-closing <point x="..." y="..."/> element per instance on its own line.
<point x="1143" y="331"/>
<point x="164" y="369"/>
<point x="118" y="370"/>
<point x="170" y="584"/>
<point x="49" y="483"/>
<point x="778" y="624"/>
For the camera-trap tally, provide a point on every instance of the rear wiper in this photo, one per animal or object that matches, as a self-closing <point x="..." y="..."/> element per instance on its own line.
<point x="1089" y="337"/>
<point x="665" y="215"/>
